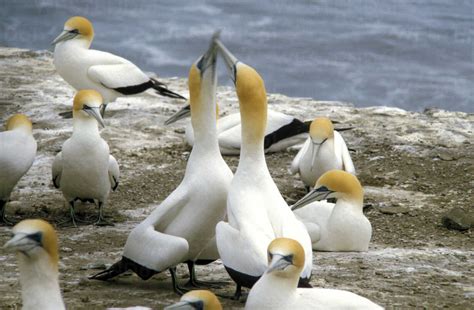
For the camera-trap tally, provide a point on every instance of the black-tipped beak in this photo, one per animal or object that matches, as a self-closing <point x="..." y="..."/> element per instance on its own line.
<point x="208" y="59"/>
<point x="95" y="113"/>
<point x="319" y="193"/>
<point x="64" y="36"/>
<point x="229" y="59"/>
<point x="184" y="112"/>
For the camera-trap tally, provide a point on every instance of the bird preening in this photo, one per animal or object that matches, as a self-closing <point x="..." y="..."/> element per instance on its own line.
<point x="241" y="219"/>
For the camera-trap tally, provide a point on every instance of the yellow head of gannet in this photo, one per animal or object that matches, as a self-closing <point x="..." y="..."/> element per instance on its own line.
<point x="77" y="27"/>
<point x="251" y="92"/>
<point x="337" y="184"/>
<point x="285" y="258"/>
<point x="87" y="103"/>
<point x="197" y="299"/>
<point x="34" y="238"/>
<point x="321" y="129"/>
<point x="19" y="121"/>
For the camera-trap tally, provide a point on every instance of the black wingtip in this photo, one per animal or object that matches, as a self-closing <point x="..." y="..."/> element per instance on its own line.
<point x="162" y="90"/>
<point x="113" y="271"/>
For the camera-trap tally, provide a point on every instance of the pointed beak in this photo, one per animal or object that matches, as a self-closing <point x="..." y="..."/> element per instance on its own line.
<point x="315" y="151"/>
<point x="316" y="194"/>
<point x="229" y="59"/>
<point x="64" y="36"/>
<point x="180" y="305"/>
<point x="95" y="113"/>
<point x="278" y="263"/>
<point x="183" y="113"/>
<point x="207" y="62"/>
<point x="20" y="242"/>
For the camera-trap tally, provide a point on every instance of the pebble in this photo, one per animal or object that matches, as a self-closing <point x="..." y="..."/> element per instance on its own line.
<point x="458" y="219"/>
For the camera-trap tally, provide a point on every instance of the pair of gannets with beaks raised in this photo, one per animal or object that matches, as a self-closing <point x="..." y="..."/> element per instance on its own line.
<point x="281" y="132"/>
<point x="335" y="227"/>
<point x="83" y="68"/>
<point x="36" y="244"/>
<point x="277" y="288"/>
<point x="324" y="150"/>
<point x="182" y="227"/>
<point x="84" y="170"/>
<point x="17" y="153"/>
<point x="256" y="211"/>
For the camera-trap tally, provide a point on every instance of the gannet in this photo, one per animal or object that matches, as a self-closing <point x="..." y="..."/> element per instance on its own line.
<point x="256" y="211"/>
<point x="281" y="131"/>
<point x="36" y="244"/>
<point x="324" y="150"/>
<point x="335" y="227"/>
<point x="84" y="170"/>
<point x="17" y="153"/>
<point x="183" y="225"/>
<point x="197" y="299"/>
<point x="83" y="68"/>
<point x="277" y="288"/>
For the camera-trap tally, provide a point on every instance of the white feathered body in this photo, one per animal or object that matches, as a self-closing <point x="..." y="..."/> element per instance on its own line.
<point x="83" y="165"/>
<point x="84" y="68"/>
<point x="336" y="227"/>
<point x="229" y="133"/>
<point x="257" y="214"/>
<point x="332" y="154"/>
<point x="17" y="153"/>
<point x="273" y="292"/>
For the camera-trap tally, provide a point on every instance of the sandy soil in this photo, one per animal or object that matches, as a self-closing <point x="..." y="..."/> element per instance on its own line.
<point x="414" y="165"/>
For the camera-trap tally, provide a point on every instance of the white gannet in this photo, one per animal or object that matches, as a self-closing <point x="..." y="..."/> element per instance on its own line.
<point x="281" y="131"/>
<point x="183" y="225"/>
<point x="256" y="211"/>
<point x="324" y="150"/>
<point x="84" y="170"/>
<point x="277" y="288"/>
<point x="83" y="68"/>
<point x="335" y="227"/>
<point x="17" y="153"/>
<point x="197" y="299"/>
<point x="36" y="244"/>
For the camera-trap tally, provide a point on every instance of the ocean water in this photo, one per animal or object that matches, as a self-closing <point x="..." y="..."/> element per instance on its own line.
<point x="407" y="54"/>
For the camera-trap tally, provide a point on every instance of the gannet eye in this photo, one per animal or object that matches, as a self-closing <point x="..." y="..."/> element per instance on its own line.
<point x="75" y="31"/>
<point x="36" y="237"/>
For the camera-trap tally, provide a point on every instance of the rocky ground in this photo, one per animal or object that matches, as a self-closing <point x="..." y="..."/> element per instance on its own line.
<point x="414" y="167"/>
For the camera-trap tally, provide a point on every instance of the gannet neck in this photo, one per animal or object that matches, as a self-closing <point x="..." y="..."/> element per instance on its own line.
<point x="203" y="108"/>
<point x="351" y="202"/>
<point x="39" y="282"/>
<point x="86" y="126"/>
<point x="76" y="45"/>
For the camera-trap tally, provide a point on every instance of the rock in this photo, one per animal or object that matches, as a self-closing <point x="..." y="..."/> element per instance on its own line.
<point x="392" y="209"/>
<point x="458" y="219"/>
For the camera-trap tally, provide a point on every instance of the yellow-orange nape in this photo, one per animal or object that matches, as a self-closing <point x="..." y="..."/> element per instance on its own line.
<point x="252" y="95"/>
<point x="48" y="239"/>
<point x="287" y="247"/>
<point x="321" y="128"/>
<point x="194" y="84"/>
<point x="82" y="25"/>
<point x="344" y="184"/>
<point x="86" y="97"/>
<point x="18" y="120"/>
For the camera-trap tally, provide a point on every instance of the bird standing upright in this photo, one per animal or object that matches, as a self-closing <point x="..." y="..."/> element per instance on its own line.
<point x="17" y="153"/>
<point x="324" y="150"/>
<point x="84" y="170"/>
<point x="36" y="244"/>
<point x="84" y="68"/>
<point x="256" y="211"/>
<point x="182" y="227"/>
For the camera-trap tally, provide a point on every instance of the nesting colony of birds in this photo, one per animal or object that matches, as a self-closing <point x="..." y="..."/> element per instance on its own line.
<point x="265" y="245"/>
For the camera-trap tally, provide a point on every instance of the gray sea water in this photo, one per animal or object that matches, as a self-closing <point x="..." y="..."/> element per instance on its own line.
<point x="408" y="54"/>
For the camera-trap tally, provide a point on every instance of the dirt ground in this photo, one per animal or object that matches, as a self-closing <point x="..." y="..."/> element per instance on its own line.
<point x="413" y="261"/>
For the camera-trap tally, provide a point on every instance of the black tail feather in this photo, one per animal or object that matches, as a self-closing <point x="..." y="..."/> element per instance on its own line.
<point x="164" y="91"/>
<point x="116" y="269"/>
